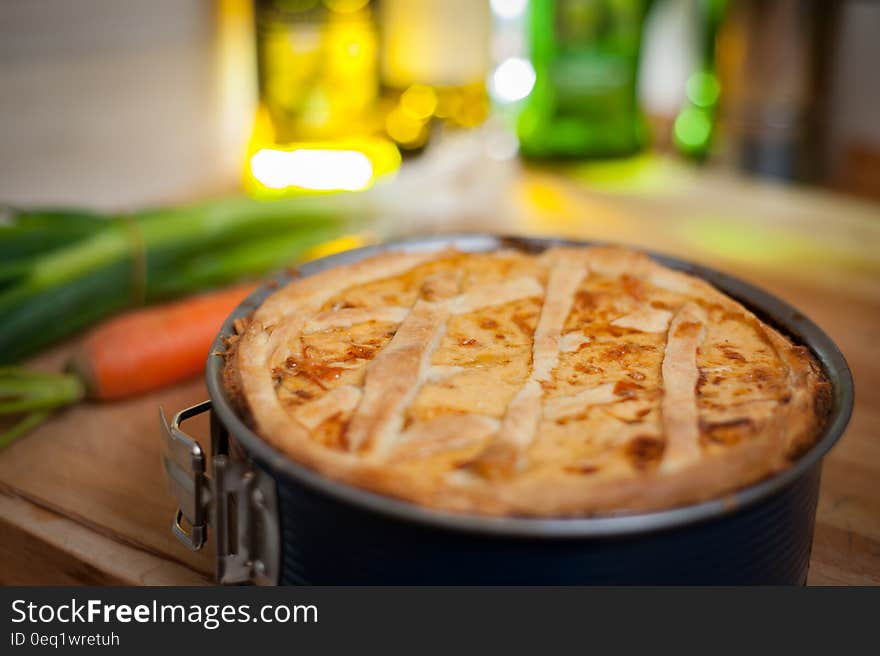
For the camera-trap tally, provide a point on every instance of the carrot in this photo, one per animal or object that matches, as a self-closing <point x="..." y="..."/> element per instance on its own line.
<point x="150" y="348"/>
<point x="134" y="353"/>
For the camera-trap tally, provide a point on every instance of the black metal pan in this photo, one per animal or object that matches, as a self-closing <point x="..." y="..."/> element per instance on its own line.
<point x="276" y="521"/>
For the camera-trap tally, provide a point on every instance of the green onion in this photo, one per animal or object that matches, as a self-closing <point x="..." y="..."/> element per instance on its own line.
<point x="61" y="271"/>
<point x="33" y="394"/>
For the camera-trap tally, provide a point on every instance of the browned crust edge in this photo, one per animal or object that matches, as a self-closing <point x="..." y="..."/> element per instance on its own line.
<point x="793" y="430"/>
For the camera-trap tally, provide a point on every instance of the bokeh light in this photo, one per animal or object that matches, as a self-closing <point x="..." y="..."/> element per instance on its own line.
<point x="508" y="9"/>
<point x="318" y="170"/>
<point x="513" y="80"/>
<point x="692" y="128"/>
<point x="703" y="89"/>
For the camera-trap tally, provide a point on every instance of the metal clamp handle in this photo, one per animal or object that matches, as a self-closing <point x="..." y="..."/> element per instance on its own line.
<point x="238" y="502"/>
<point x="184" y="462"/>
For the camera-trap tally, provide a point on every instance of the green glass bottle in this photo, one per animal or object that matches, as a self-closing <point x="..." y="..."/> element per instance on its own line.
<point x="695" y="124"/>
<point x="586" y="59"/>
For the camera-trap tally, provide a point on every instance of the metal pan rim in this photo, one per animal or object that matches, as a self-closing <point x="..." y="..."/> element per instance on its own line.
<point x="768" y="307"/>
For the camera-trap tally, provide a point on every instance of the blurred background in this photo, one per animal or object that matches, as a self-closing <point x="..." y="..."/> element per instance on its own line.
<point x="153" y="151"/>
<point x="114" y="104"/>
<point x="741" y="131"/>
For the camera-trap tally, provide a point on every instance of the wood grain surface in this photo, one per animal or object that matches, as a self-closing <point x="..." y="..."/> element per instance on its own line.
<point x="98" y="466"/>
<point x="83" y="498"/>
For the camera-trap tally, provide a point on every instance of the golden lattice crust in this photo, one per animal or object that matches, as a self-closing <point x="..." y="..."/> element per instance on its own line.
<point x="577" y="381"/>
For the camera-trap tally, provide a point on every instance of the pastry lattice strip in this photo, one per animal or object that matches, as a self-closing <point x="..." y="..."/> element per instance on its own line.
<point x="397" y="373"/>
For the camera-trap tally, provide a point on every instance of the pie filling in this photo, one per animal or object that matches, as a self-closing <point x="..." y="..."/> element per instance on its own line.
<point x="577" y="381"/>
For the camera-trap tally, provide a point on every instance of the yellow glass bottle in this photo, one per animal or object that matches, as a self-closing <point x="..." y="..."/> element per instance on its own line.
<point x="434" y="56"/>
<point x="317" y="125"/>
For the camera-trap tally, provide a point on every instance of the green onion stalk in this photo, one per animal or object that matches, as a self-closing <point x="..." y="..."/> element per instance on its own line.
<point x="62" y="271"/>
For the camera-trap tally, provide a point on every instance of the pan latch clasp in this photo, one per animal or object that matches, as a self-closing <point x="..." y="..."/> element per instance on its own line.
<point x="184" y="462"/>
<point x="238" y="501"/>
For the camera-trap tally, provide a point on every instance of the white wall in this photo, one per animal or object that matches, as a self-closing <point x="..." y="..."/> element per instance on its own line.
<point x="109" y="103"/>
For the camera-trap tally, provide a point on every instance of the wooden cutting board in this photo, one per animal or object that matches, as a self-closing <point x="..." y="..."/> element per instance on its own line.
<point x="83" y="498"/>
<point x="94" y="487"/>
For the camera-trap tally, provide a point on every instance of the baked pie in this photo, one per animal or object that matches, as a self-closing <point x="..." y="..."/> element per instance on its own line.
<point x="575" y="381"/>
